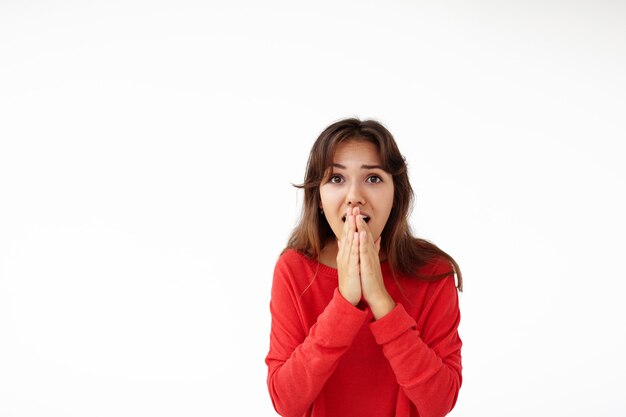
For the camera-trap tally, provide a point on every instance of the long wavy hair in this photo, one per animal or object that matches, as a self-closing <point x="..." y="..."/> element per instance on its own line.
<point x="405" y="252"/>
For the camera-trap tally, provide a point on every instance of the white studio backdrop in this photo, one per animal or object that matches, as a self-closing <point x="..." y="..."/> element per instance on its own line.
<point x="146" y="156"/>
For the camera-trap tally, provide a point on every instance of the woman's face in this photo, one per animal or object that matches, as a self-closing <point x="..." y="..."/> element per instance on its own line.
<point x="356" y="179"/>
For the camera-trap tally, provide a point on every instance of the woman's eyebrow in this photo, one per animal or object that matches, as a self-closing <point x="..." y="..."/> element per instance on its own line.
<point x="362" y="166"/>
<point x="371" y="167"/>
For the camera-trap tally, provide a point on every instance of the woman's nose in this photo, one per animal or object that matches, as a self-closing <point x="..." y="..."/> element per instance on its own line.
<point x="355" y="196"/>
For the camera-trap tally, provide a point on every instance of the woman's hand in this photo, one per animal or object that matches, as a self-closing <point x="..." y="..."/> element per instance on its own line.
<point x="348" y="259"/>
<point x="372" y="284"/>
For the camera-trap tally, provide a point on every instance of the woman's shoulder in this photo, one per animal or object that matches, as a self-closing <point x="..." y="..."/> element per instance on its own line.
<point x="291" y="260"/>
<point x="434" y="280"/>
<point x="436" y="275"/>
<point x="297" y="270"/>
<point x="438" y="266"/>
<point x="292" y="256"/>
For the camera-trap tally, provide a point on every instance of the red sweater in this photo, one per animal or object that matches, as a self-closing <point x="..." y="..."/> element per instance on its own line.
<point x="330" y="358"/>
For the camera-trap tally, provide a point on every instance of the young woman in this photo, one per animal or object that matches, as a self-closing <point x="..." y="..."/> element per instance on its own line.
<point x="364" y="315"/>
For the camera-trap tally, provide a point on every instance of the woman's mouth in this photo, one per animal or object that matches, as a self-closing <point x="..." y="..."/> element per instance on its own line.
<point x="365" y="217"/>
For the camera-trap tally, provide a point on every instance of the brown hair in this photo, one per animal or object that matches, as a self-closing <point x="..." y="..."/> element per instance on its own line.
<point x="404" y="252"/>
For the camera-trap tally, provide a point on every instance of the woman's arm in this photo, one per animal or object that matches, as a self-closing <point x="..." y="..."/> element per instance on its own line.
<point x="427" y="364"/>
<point x="301" y="361"/>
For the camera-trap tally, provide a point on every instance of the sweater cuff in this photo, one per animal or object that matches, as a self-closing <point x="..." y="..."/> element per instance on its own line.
<point x="392" y="325"/>
<point x="340" y="321"/>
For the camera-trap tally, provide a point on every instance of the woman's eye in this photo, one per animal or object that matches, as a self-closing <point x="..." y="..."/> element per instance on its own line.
<point x="374" y="179"/>
<point x="335" y="179"/>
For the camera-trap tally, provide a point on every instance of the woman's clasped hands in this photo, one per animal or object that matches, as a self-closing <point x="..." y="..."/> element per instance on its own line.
<point x="358" y="265"/>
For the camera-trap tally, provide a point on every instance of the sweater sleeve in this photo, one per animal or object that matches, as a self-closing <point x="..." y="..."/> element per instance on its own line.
<point x="300" y="361"/>
<point x="427" y="365"/>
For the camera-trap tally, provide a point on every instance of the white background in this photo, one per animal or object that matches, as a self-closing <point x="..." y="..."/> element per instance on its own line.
<point x="147" y="150"/>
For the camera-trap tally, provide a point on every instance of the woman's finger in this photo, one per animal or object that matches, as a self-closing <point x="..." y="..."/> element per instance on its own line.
<point x="354" y="257"/>
<point x="345" y="231"/>
<point x="372" y="285"/>
<point x="348" y="261"/>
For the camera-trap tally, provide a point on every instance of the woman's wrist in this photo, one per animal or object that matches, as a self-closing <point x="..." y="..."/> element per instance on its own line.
<point x="351" y="298"/>
<point x="381" y="305"/>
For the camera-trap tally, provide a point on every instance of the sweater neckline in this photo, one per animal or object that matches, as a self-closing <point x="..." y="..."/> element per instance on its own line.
<point x="329" y="270"/>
